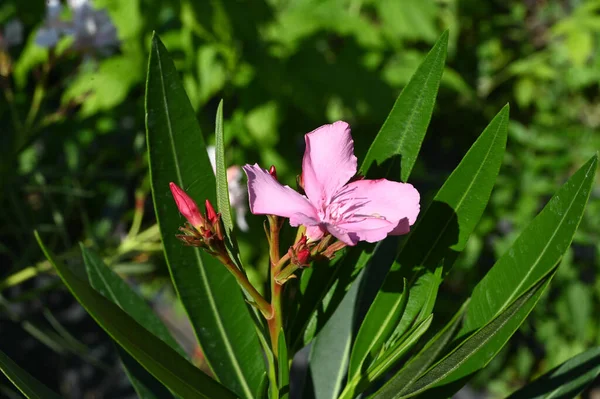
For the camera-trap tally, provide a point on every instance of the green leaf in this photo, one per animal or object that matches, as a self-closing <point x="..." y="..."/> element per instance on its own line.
<point x="263" y="389"/>
<point x="323" y="286"/>
<point x="109" y="284"/>
<point x="442" y="232"/>
<point x="29" y="386"/>
<point x="209" y="294"/>
<point x="361" y="381"/>
<point x="404" y="129"/>
<point x="537" y="250"/>
<point x="283" y="369"/>
<point x="223" y="187"/>
<point x="420" y="362"/>
<point x="565" y="381"/>
<point x="331" y="348"/>
<point x="165" y="364"/>
<point x="484" y="343"/>
<point x="398" y="350"/>
<point x="371" y="337"/>
<point x="221" y="174"/>
<point x="530" y="259"/>
<point x="106" y="282"/>
<point x="144" y="384"/>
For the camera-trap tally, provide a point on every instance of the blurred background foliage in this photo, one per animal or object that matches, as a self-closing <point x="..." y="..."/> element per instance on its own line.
<point x="72" y="144"/>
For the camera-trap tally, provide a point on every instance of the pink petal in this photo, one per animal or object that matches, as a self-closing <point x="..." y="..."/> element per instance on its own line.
<point x="328" y="163"/>
<point x="315" y="233"/>
<point x="268" y="197"/>
<point x="374" y="209"/>
<point x="349" y="238"/>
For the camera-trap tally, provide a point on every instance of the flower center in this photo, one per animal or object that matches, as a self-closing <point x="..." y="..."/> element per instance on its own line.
<point x="343" y="208"/>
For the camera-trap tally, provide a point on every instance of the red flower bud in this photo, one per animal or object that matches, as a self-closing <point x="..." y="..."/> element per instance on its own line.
<point x="300" y="253"/>
<point x="303" y="257"/>
<point x="187" y="207"/>
<point x="211" y="215"/>
<point x="273" y="172"/>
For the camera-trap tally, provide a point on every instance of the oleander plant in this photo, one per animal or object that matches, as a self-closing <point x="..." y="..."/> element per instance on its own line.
<point x="356" y="252"/>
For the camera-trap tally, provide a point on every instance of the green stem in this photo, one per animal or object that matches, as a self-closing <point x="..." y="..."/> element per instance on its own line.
<point x="242" y="280"/>
<point x="10" y="98"/>
<point x="283" y="275"/>
<point x="36" y="102"/>
<point x="279" y="266"/>
<point x="138" y="214"/>
<point x="349" y="390"/>
<point x="271" y="368"/>
<point x="275" y="321"/>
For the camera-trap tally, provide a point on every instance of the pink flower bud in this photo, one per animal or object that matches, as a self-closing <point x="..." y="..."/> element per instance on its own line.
<point x="187" y="207"/>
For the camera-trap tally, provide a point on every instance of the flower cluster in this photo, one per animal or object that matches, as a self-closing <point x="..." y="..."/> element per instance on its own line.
<point x="200" y="231"/>
<point x="334" y="208"/>
<point x="90" y="28"/>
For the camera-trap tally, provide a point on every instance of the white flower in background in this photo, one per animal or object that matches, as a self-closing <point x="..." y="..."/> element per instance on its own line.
<point x="12" y="34"/>
<point x="90" y="28"/>
<point x="237" y="190"/>
<point x="53" y="28"/>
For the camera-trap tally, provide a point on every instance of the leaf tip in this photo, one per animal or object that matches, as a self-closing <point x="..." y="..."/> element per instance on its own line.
<point x="593" y="162"/>
<point x="156" y="42"/>
<point x="442" y="42"/>
<point x="38" y="238"/>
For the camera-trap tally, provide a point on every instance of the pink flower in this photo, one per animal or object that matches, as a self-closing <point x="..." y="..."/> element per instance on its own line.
<point x="352" y="211"/>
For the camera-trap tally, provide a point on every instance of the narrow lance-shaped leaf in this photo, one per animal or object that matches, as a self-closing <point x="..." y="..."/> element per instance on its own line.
<point x="404" y="129"/>
<point x="441" y="234"/>
<point x="429" y="354"/>
<point x="331" y="348"/>
<point x="283" y="369"/>
<point x="494" y="334"/>
<point x="323" y="286"/>
<point x="109" y="284"/>
<point x="372" y="337"/>
<point x="537" y="250"/>
<point x="531" y="258"/>
<point x="209" y="294"/>
<point x="221" y="174"/>
<point x="565" y="381"/>
<point x="398" y="350"/>
<point x="105" y="281"/>
<point x="164" y="363"/>
<point x="223" y="202"/>
<point x="29" y="386"/>
<point x="362" y="381"/>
